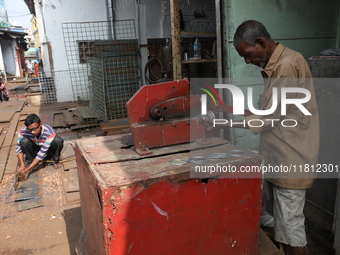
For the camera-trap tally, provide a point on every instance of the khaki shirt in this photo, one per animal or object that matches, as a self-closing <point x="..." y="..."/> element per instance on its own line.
<point x="296" y="148"/>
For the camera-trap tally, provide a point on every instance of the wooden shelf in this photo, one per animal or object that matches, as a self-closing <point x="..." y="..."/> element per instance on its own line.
<point x="196" y="61"/>
<point x="192" y="33"/>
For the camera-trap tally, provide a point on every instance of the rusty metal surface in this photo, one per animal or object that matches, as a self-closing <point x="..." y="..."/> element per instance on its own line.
<point x="148" y="169"/>
<point x="110" y="149"/>
<point x="29" y="204"/>
<point x="140" y="103"/>
<point x="127" y="205"/>
<point x="159" y="101"/>
<point x="174" y="107"/>
<point x="152" y="134"/>
<point x="28" y="193"/>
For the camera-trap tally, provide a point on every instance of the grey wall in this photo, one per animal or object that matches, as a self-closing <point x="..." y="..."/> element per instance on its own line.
<point x="154" y="15"/>
<point x="8" y="53"/>
<point x="326" y="73"/>
<point x="308" y="26"/>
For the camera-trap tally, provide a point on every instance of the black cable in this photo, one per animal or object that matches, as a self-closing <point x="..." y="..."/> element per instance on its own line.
<point x="152" y="78"/>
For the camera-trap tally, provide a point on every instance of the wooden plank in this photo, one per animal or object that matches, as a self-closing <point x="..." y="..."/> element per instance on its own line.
<point x="2" y="138"/>
<point x="6" y="116"/>
<point x="113" y="128"/>
<point x="68" y="155"/>
<point x="117" y="132"/>
<point x="12" y="162"/>
<point x="69" y="118"/>
<point x="120" y="121"/>
<point x="69" y="136"/>
<point x="64" y="178"/>
<point x="70" y="164"/>
<point x="59" y="120"/>
<point x="196" y="61"/>
<point x="72" y="197"/>
<point x="47" y="118"/>
<point x="31" y="109"/>
<point x="34" y="89"/>
<point x="73" y="179"/>
<point x="77" y="118"/>
<point x="84" y="126"/>
<point x="12" y="105"/>
<point x="67" y="151"/>
<point x="87" y="113"/>
<point x="114" y="123"/>
<point x="57" y="107"/>
<point x="119" y="126"/>
<point x="195" y="34"/>
<point x="7" y="144"/>
<point x="176" y="37"/>
<point x="23" y="117"/>
<point x="70" y="180"/>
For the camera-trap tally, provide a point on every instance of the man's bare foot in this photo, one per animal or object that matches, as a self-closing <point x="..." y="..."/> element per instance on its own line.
<point x="57" y="165"/>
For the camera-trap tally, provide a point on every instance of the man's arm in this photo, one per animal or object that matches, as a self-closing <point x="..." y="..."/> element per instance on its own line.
<point x="21" y="160"/>
<point x="34" y="163"/>
<point x="20" y="154"/>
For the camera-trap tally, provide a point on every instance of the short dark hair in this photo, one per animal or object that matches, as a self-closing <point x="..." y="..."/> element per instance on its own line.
<point x="32" y="118"/>
<point x="248" y="31"/>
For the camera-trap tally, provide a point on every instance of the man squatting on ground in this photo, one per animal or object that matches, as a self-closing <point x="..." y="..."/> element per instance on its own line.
<point x="37" y="141"/>
<point x="283" y="193"/>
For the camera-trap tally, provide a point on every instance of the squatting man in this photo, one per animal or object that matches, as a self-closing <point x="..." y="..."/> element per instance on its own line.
<point x="283" y="192"/>
<point x="36" y="141"/>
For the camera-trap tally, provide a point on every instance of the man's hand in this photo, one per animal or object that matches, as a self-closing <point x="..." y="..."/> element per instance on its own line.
<point x="22" y="168"/>
<point x="22" y="176"/>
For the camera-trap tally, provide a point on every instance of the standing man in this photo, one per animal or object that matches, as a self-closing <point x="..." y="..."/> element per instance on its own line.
<point x="284" y="192"/>
<point x="37" y="141"/>
<point x="29" y="68"/>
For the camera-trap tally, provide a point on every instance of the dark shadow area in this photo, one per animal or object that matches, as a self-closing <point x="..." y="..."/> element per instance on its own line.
<point x="73" y="223"/>
<point x="320" y="237"/>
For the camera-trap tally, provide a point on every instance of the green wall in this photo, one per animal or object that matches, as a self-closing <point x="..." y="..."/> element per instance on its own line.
<point x="307" y="26"/>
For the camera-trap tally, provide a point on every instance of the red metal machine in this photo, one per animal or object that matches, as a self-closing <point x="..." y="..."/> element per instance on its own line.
<point x="159" y="116"/>
<point x="167" y="114"/>
<point x="134" y="201"/>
